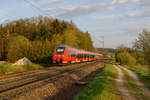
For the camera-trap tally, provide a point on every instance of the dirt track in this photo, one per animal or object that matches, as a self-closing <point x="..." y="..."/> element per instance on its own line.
<point x="126" y="91"/>
<point x="122" y="86"/>
<point x="137" y="81"/>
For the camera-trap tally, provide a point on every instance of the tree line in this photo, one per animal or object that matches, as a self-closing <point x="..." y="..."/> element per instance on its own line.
<point x="139" y="53"/>
<point x="36" y="38"/>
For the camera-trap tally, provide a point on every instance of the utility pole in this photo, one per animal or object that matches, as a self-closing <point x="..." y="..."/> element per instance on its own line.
<point x="102" y="41"/>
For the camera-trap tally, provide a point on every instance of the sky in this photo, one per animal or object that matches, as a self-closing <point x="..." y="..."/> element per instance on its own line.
<point x="119" y="21"/>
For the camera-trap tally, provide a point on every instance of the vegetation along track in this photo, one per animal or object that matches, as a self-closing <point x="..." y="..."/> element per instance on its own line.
<point x="9" y="89"/>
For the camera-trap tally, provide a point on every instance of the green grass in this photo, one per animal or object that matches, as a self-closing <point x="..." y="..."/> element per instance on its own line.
<point x="135" y="90"/>
<point x="6" y="67"/>
<point x="144" y="75"/>
<point x="102" y="87"/>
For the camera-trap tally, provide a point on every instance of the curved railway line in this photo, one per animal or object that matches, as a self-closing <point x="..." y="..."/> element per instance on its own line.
<point x="12" y="85"/>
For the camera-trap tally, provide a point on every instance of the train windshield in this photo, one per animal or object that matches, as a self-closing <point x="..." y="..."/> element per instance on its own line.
<point x="60" y="50"/>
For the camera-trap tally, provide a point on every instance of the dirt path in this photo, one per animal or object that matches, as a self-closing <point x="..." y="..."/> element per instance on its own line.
<point x="122" y="87"/>
<point x="137" y="81"/>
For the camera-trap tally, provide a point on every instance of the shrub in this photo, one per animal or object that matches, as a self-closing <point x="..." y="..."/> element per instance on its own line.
<point x="126" y="59"/>
<point x="141" y="61"/>
<point x="18" y="48"/>
<point x="36" y="51"/>
<point x="6" y="67"/>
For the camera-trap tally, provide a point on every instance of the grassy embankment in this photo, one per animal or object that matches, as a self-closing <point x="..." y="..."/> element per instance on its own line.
<point x="6" y="67"/>
<point x="134" y="89"/>
<point x="102" y="87"/>
<point x="143" y="74"/>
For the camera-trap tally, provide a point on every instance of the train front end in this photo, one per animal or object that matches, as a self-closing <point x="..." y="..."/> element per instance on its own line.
<point x="59" y="55"/>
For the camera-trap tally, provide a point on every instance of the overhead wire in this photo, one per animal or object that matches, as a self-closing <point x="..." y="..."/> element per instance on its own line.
<point x="5" y="14"/>
<point x="33" y="5"/>
<point x="36" y="7"/>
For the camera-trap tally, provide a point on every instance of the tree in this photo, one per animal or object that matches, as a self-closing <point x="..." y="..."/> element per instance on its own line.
<point x="69" y="38"/>
<point x="123" y="48"/>
<point x="36" y="38"/>
<point x="142" y="44"/>
<point x="1" y="49"/>
<point x="18" y="48"/>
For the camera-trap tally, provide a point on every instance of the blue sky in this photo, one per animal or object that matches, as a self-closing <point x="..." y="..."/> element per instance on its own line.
<point x="119" y="21"/>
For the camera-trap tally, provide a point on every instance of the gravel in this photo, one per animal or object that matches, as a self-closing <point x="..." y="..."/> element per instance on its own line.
<point x="56" y="85"/>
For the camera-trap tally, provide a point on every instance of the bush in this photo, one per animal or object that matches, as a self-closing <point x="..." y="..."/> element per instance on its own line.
<point x="36" y="51"/>
<point x="18" y="48"/>
<point x="141" y="61"/>
<point x="126" y="59"/>
<point x="6" y="67"/>
<point x="40" y="52"/>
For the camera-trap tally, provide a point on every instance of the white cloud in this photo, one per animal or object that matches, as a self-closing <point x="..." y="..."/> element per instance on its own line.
<point x="123" y="1"/>
<point x="53" y="2"/>
<point x="119" y="1"/>
<point x="136" y="1"/>
<point x="69" y="8"/>
<point x="60" y="9"/>
<point x="86" y="10"/>
<point x="105" y="18"/>
<point x="132" y="15"/>
<point x="114" y="2"/>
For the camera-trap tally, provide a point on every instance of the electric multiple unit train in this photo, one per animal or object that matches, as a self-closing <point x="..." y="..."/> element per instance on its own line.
<point x="66" y="54"/>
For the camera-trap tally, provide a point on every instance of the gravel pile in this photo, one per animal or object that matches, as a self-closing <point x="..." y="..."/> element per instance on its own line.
<point x="23" y="61"/>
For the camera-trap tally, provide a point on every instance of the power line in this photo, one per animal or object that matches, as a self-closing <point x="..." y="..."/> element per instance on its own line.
<point x="36" y="7"/>
<point x="33" y="5"/>
<point x="101" y="41"/>
<point x="5" y="14"/>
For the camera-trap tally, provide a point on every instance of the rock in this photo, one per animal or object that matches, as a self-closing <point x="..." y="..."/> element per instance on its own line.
<point x="80" y="83"/>
<point x="2" y="62"/>
<point x="23" y="61"/>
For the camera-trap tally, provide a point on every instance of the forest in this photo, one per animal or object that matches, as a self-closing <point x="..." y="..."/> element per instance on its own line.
<point x="36" y="38"/>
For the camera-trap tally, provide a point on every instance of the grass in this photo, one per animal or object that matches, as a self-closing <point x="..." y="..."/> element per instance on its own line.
<point x="102" y="87"/>
<point x="6" y="67"/>
<point x="135" y="90"/>
<point x="143" y="74"/>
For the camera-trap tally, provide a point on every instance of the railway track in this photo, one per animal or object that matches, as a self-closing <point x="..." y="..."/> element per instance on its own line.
<point x="16" y="84"/>
<point x="8" y="78"/>
<point x="12" y="75"/>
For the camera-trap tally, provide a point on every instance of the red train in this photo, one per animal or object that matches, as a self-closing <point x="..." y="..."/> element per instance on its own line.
<point x="67" y="54"/>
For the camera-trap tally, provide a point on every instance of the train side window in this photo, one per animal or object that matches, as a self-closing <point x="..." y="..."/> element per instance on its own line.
<point x="79" y="56"/>
<point x="73" y="54"/>
<point x="69" y="53"/>
<point x="82" y="55"/>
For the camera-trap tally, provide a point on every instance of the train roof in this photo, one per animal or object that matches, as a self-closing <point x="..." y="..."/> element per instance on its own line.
<point x="88" y="52"/>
